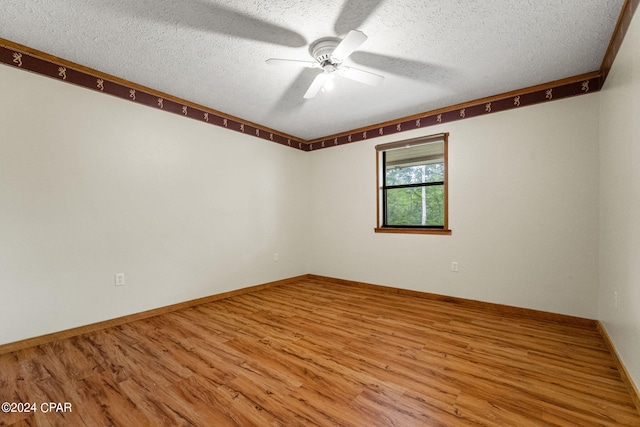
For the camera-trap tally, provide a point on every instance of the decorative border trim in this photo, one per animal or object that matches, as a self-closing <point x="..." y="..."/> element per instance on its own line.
<point x="44" y="64"/>
<point x="28" y="59"/>
<point x="624" y="21"/>
<point x="572" y="86"/>
<point x="44" y="339"/>
<point x="560" y="89"/>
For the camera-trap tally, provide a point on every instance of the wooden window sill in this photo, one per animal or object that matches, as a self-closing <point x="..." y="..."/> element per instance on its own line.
<point x="400" y="230"/>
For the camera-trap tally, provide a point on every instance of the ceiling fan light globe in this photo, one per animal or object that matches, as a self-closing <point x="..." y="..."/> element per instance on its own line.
<point x="329" y="84"/>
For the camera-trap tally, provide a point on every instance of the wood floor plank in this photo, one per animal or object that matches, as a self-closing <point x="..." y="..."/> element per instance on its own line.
<point x="320" y="353"/>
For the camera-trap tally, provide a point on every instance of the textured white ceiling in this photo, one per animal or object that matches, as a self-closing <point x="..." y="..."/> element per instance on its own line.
<point x="434" y="53"/>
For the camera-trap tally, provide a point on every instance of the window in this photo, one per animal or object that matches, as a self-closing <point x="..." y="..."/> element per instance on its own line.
<point x="412" y="186"/>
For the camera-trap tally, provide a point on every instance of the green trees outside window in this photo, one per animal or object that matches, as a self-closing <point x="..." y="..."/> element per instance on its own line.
<point x="422" y="205"/>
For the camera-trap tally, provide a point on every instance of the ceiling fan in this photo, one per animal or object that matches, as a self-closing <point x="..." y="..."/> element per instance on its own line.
<point x="328" y="54"/>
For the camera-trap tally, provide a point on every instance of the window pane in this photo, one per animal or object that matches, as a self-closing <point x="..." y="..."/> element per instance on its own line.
<point x="421" y="174"/>
<point x="420" y="206"/>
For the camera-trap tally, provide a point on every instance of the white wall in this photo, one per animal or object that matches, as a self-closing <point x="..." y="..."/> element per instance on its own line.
<point x="523" y="209"/>
<point x="620" y="202"/>
<point x="91" y="185"/>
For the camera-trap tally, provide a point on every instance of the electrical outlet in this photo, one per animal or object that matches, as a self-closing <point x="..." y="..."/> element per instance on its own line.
<point x="276" y="257"/>
<point x="454" y="266"/>
<point x="120" y="279"/>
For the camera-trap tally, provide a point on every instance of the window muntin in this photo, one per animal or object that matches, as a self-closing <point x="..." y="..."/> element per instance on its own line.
<point x="412" y="191"/>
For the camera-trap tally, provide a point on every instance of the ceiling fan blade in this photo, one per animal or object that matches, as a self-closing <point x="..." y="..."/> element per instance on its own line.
<point x="410" y="68"/>
<point x="354" y="13"/>
<point x="206" y="17"/>
<point x="361" y="76"/>
<point x="316" y="85"/>
<point x="350" y="43"/>
<point x="294" y="62"/>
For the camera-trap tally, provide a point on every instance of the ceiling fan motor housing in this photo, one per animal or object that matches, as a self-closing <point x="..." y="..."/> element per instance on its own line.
<point x="321" y="51"/>
<point x="328" y="54"/>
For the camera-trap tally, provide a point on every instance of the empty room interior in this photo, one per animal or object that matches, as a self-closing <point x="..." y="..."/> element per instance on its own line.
<point x="358" y="213"/>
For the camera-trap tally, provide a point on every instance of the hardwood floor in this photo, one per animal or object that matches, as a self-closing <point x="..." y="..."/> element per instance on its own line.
<point x="318" y="353"/>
